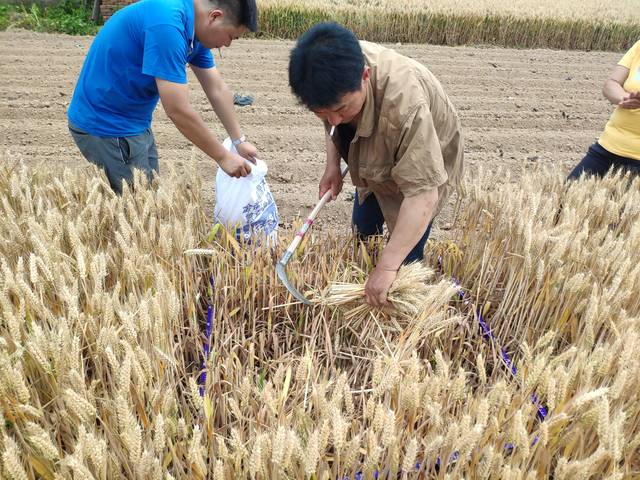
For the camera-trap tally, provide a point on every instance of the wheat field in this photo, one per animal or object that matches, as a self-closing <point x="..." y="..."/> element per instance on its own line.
<point x="138" y="342"/>
<point x="621" y="11"/>
<point x="589" y="25"/>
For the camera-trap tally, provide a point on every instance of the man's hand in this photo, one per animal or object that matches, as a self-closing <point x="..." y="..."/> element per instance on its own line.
<point x="234" y="165"/>
<point x="248" y="151"/>
<point x="174" y="98"/>
<point x="377" y="286"/>
<point x="630" y="100"/>
<point x="331" y="180"/>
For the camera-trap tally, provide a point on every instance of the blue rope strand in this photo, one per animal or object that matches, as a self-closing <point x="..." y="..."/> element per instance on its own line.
<point x="208" y="328"/>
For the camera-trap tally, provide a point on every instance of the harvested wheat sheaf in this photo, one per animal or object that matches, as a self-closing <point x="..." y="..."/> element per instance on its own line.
<point x="413" y="299"/>
<point x="409" y="291"/>
<point x="101" y="343"/>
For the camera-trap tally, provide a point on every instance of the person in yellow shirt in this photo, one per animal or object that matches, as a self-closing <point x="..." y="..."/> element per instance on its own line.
<point x="618" y="148"/>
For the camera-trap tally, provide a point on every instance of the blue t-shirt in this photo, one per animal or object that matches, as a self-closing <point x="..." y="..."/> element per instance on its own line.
<point x="116" y="92"/>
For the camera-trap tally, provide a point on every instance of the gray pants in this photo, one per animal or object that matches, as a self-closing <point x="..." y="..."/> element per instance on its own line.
<point x="118" y="156"/>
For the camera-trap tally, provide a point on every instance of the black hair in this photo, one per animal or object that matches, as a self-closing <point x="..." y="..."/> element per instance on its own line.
<point x="240" y="12"/>
<point x="326" y="63"/>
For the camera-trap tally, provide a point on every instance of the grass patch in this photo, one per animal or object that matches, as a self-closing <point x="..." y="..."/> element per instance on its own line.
<point x="68" y="16"/>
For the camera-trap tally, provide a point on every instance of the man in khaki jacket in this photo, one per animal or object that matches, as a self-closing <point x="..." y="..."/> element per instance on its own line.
<point x="396" y="129"/>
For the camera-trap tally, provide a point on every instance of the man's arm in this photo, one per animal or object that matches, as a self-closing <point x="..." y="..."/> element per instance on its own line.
<point x="175" y="100"/>
<point x="332" y="177"/>
<point x="221" y="99"/>
<point x="413" y="218"/>
<point x="418" y="172"/>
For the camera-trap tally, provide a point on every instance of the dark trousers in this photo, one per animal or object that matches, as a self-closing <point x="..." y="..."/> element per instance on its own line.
<point x="598" y="161"/>
<point x="118" y="156"/>
<point x="368" y="220"/>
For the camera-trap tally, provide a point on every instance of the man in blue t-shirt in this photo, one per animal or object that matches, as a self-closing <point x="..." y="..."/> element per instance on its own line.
<point x="140" y="56"/>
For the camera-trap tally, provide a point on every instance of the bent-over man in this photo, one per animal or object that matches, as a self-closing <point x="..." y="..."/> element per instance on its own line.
<point x="140" y="56"/>
<point x="397" y="130"/>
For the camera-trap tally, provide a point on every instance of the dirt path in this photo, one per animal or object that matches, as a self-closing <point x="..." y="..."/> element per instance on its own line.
<point x="519" y="108"/>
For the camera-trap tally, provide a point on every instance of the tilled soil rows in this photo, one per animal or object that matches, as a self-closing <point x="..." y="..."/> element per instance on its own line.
<point x="519" y="108"/>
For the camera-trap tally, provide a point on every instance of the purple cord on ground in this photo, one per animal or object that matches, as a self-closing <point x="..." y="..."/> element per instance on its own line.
<point x="488" y="334"/>
<point x="208" y="328"/>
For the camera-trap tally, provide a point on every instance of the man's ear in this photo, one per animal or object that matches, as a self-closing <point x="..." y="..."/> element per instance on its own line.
<point x="215" y="14"/>
<point x="366" y="73"/>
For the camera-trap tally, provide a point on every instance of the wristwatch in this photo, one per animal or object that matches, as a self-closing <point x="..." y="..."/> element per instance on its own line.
<point x="238" y="141"/>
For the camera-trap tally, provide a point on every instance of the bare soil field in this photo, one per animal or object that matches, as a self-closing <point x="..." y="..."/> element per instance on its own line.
<point x="520" y="109"/>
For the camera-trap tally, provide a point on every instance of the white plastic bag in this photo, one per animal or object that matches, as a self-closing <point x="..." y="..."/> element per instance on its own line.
<point x="246" y="203"/>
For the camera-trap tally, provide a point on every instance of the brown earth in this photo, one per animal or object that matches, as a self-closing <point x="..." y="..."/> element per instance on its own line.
<point x="519" y="108"/>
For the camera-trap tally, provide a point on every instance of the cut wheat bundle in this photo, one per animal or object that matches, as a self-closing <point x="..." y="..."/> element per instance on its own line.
<point x="407" y="295"/>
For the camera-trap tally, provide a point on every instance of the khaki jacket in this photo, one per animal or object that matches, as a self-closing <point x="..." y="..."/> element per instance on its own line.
<point x="408" y="138"/>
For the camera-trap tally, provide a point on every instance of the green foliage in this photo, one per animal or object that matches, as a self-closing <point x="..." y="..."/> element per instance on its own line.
<point x="5" y="13"/>
<point x="68" y="16"/>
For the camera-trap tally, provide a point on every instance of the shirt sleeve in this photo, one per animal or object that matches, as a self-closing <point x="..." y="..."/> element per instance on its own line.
<point x="419" y="166"/>
<point x="202" y="57"/>
<point x="627" y="60"/>
<point x="165" y="53"/>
